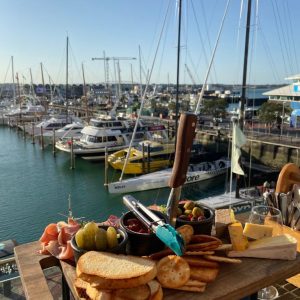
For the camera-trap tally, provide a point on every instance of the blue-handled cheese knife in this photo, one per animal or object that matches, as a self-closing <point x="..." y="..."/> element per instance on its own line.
<point x="164" y="231"/>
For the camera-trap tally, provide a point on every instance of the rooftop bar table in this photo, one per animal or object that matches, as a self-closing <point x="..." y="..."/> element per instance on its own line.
<point x="234" y="281"/>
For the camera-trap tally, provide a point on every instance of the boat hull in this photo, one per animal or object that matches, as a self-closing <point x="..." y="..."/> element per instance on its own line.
<point x="161" y="179"/>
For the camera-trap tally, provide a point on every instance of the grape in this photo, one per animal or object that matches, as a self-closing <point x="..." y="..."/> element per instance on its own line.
<point x="79" y="238"/>
<point x="100" y="239"/>
<point x="112" y="240"/>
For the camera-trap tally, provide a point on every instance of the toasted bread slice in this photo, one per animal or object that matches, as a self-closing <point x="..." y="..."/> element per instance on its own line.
<point x="159" y="295"/>
<point x="112" y="284"/>
<point x="141" y="292"/>
<point x="80" y="288"/>
<point x="114" y="266"/>
<point x="154" y="286"/>
<point x="96" y="294"/>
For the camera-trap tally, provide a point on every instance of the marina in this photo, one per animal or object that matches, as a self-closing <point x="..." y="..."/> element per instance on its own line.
<point x="165" y="166"/>
<point x="36" y="186"/>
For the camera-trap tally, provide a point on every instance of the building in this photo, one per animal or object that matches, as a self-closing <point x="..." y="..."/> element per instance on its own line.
<point x="288" y="93"/>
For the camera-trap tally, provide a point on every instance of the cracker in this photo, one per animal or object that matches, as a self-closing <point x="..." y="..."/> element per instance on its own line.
<point x="192" y="253"/>
<point x="191" y="288"/>
<point x="204" y="274"/>
<point x="223" y="259"/>
<point x="203" y="238"/>
<point x="197" y="283"/>
<point x="173" y="271"/>
<point x="161" y="254"/>
<point x="198" y="261"/>
<point x="203" y="246"/>
<point x="186" y="232"/>
<point x="224" y="247"/>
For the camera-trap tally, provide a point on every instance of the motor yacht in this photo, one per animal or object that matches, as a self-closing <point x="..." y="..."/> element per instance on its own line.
<point x="111" y="133"/>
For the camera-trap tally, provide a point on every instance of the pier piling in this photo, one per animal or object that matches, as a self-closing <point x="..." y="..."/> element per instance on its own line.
<point x="106" y="169"/>
<point x="42" y="139"/>
<point x="143" y="161"/>
<point x="148" y="158"/>
<point x="72" y="166"/>
<point x="33" y="141"/>
<point x="53" y="143"/>
<point x="24" y="132"/>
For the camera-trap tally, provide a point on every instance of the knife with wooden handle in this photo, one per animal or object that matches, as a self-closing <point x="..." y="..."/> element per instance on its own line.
<point x="185" y="137"/>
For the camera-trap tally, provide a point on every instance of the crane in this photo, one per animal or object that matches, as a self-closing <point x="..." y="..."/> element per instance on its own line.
<point x="106" y="64"/>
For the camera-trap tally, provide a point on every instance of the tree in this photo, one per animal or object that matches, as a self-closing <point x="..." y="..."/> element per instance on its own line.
<point x="271" y="112"/>
<point x="215" y="107"/>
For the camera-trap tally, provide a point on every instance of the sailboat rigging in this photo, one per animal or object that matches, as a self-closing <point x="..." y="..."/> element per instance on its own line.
<point x="197" y="172"/>
<point x="238" y="140"/>
<point x="67" y="79"/>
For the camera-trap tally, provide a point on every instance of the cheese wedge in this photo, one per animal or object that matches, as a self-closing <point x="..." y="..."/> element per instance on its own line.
<point x="256" y="231"/>
<point x="238" y="240"/>
<point x="276" y="247"/>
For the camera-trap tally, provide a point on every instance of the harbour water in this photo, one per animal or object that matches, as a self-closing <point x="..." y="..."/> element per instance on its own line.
<point x="35" y="186"/>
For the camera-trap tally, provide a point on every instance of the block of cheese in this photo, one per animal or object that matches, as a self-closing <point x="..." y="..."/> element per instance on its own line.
<point x="276" y="247"/>
<point x="238" y="240"/>
<point x="257" y="231"/>
<point x="223" y="217"/>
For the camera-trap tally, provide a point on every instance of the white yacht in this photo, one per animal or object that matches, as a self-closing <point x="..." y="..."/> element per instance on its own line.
<point x="72" y="130"/>
<point x="53" y="123"/>
<point x="112" y="133"/>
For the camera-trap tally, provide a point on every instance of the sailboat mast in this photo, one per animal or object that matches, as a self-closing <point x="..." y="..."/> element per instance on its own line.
<point x="67" y="78"/>
<point x="84" y="91"/>
<point x="178" y="70"/>
<point x="13" y="79"/>
<point x="243" y="96"/>
<point x="31" y="84"/>
<point x="44" y="90"/>
<point x="51" y="92"/>
<point x="140" y="63"/>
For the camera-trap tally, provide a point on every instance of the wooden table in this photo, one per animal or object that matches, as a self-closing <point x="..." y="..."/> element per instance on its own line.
<point x="234" y="281"/>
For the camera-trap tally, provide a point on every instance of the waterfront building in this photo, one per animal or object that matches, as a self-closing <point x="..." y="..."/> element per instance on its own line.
<point x="288" y="93"/>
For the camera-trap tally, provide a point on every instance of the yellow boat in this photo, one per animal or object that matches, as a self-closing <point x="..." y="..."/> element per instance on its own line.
<point x="146" y="157"/>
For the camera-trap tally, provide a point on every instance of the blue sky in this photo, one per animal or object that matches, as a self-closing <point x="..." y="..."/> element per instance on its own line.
<point x="34" y="31"/>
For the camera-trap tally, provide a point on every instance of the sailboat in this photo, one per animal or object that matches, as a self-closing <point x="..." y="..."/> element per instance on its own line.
<point x="160" y="179"/>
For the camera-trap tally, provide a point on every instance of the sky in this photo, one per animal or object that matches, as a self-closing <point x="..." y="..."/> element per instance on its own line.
<point x="34" y="32"/>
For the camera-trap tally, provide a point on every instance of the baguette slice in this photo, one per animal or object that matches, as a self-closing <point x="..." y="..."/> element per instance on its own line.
<point x="111" y="271"/>
<point x="114" y="266"/>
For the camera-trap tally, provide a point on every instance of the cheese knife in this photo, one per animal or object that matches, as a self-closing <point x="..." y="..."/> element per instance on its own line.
<point x="185" y="137"/>
<point x="283" y="206"/>
<point x="295" y="218"/>
<point x="165" y="232"/>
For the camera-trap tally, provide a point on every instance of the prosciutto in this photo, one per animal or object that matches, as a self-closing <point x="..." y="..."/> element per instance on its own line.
<point x="56" y="239"/>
